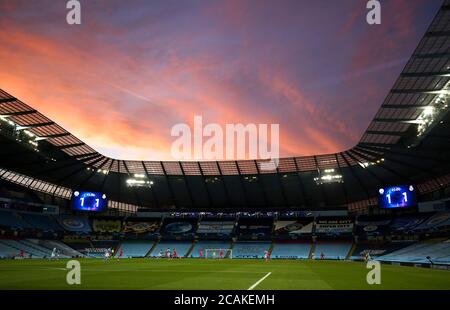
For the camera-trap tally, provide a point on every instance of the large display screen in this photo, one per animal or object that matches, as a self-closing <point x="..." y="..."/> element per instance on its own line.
<point x="89" y="201"/>
<point x="402" y="196"/>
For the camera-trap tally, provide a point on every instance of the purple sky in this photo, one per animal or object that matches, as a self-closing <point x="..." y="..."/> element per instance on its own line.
<point x="133" y="69"/>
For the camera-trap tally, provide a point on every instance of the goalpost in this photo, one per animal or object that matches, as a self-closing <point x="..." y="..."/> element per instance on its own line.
<point x="215" y="253"/>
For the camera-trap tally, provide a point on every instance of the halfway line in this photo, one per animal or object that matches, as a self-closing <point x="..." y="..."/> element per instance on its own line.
<point x="259" y="281"/>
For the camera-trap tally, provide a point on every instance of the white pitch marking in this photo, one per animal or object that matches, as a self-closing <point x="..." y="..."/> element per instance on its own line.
<point x="259" y="281"/>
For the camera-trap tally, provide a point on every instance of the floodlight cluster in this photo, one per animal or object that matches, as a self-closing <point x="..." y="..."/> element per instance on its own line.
<point x="21" y="133"/>
<point x="102" y="171"/>
<point x="139" y="180"/>
<point x="370" y="163"/>
<point x="251" y="179"/>
<point x="434" y="111"/>
<point x="328" y="176"/>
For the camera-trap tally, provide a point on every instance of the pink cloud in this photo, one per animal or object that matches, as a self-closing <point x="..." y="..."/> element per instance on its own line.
<point x="123" y="96"/>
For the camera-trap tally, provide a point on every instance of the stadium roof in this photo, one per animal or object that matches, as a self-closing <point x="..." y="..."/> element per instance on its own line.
<point x="406" y="143"/>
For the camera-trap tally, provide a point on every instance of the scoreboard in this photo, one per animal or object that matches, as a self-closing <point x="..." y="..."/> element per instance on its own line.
<point x="402" y="196"/>
<point x="89" y="201"/>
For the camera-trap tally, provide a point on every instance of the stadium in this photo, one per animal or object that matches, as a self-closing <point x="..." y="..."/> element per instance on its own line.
<point x="310" y="222"/>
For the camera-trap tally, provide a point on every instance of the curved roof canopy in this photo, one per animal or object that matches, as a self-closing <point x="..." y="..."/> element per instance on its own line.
<point x="406" y="143"/>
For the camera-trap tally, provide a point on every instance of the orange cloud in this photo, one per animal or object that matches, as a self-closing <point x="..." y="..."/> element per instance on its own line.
<point x="121" y="89"/>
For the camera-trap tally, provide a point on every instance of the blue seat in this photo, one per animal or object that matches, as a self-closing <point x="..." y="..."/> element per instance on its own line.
<point x="135" y="248"/>
<point x="41" y="222"/>
<point x="13" y="220"/>
<point x="204" y="245"/>
<point x="291" y="250"/>
<point x="250" y="249"/>
<point x="181" y="247"/>
<point x="417" y="253"/>
<point x="332" y="250"/>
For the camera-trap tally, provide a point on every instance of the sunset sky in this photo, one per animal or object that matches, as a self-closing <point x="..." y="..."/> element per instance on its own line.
<point x="133" y="69"/>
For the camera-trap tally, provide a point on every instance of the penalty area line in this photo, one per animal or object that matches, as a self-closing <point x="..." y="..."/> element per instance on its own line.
<point x="259" y="281"/>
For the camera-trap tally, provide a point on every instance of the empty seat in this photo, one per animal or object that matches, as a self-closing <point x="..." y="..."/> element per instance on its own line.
<point x="332" y="250"/>
<point x="417" y="253"/>
<point x="204" y="245"/>
<point x="135" y="248"/>
<point x="182" y="248"/>
<point x="250" y="249"/>
<point x="291" y="250"/>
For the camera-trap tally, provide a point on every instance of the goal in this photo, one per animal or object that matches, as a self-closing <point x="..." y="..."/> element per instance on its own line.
<point x="215" y="253"/>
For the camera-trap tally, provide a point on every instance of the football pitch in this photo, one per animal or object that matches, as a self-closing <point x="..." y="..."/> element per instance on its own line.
<point x="227" y="274"/>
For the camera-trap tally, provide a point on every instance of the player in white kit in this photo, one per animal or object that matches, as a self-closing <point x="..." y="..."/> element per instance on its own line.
<point x="53" y="255"/>
<point x="266" y="255"/>
<point x="107" y="254"/>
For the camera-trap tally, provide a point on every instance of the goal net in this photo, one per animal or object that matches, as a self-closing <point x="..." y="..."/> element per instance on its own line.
<point x="218" y="253"/>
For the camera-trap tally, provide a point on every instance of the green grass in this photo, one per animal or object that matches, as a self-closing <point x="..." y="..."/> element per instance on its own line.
<point x="154" y="274"/>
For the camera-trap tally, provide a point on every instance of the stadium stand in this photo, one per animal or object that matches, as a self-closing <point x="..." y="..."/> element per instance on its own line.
<point x="203" y="245"/>
<point x="182" y="248"/>
<point x="216" y="233"/>
<point x="138" y="228"/>
<point x="436" y="222"/>
<point x="6" y="251"/>
<point x="16" y="194"/>
<point x="41" y="222"/>
<point x="251" y="228"/>
<point x="36" y="247"/>
<point x="372" y="227"/>
<point x="49" y="245"/>
<point x="99" y="247"/>
<point x="407" y="223"/>
<point x="334" y="226"/>
<point x="29" y="249"/>
<point x="135" y="248"/>
<point x="179" y="228"/>
<point x="79" y="245"/>
<point x="293" y="228"/>
<point x="437" y="251"/>
<point x="28" y="244"/>
<point x="378" y="249"/>
<point x="244" y="249"/>
<point x="216" y="229"/>
<point x="13" y="220"/>
<point x="106" y="226"/>
<point x="291" y="250"/>
<point x="75" y="224"/>
<point x="332" y="250"/>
